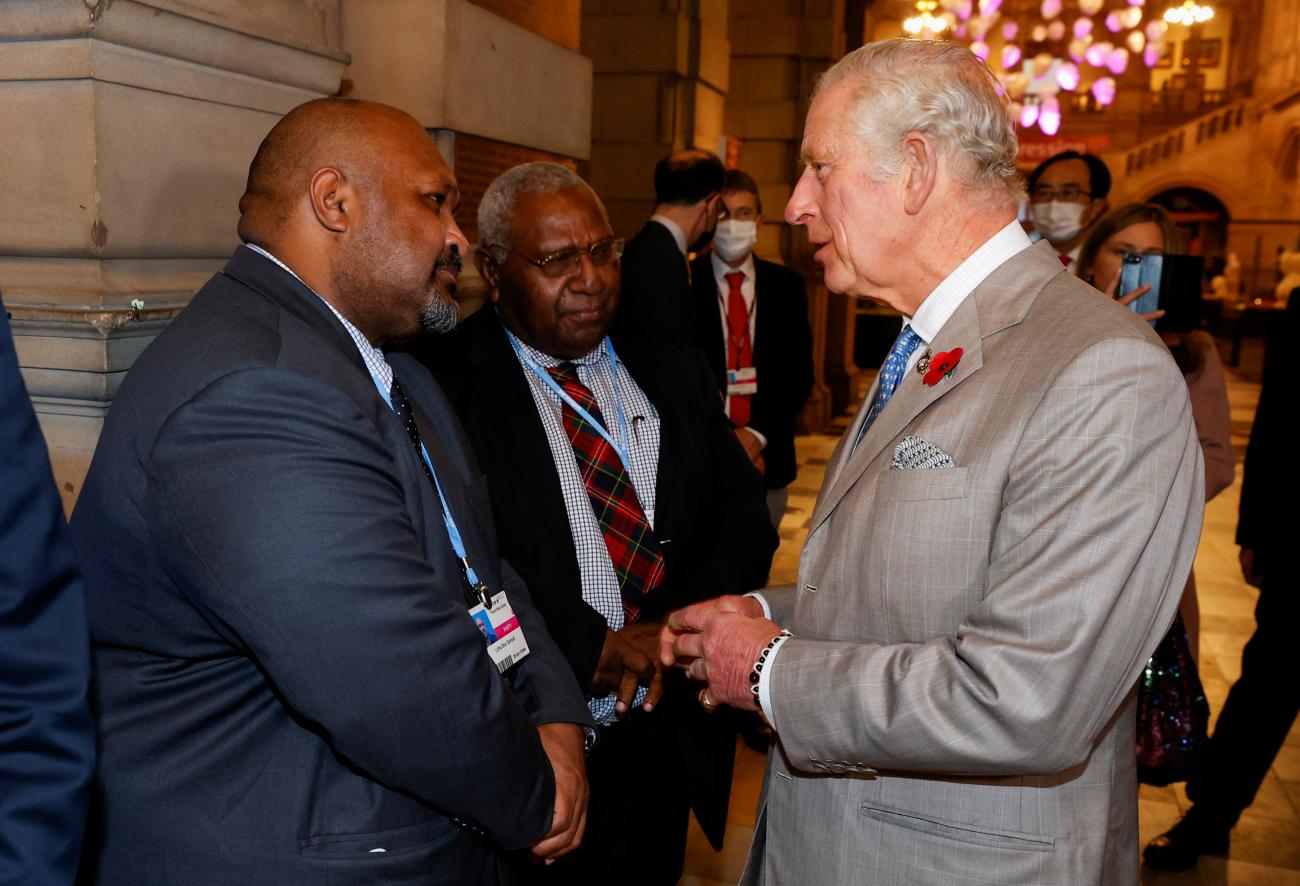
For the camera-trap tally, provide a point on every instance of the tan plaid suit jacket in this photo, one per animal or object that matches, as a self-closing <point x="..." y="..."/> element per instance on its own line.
<point x="956" y="706"/>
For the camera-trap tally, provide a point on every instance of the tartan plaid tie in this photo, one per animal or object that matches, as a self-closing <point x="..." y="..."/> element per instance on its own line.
<point x="631" y="542"/>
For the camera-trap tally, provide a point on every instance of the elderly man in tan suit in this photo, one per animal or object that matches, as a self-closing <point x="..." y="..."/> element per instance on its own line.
<point x="1002" y="539"/>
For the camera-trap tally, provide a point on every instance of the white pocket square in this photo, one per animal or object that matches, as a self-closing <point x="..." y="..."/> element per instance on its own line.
<point x="913" y="454"/>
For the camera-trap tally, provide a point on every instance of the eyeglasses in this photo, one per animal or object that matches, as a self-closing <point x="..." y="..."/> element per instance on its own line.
<point x="562" y="264"/>
<point x="1069" y="193"/>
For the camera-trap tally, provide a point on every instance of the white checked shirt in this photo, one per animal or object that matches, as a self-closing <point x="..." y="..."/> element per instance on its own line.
<point x="929" y="319"/>
<point x="600" y="587"/>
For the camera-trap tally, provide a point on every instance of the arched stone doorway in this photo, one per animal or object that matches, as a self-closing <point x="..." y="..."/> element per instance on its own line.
<point x="1202" y="218"/>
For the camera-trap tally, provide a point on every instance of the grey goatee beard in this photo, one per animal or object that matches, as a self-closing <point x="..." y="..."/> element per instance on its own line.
<point x="441" y="316"/>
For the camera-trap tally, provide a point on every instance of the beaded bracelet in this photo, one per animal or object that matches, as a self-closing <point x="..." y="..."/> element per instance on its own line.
<point x="757" y="673"/>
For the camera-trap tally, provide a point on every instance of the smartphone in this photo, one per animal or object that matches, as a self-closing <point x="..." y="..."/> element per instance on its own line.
<point x="1175" y="282"/>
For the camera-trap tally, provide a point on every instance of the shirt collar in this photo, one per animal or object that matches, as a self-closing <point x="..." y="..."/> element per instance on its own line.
<point x="546" y="361"/>
<point x="372" y="356"/>
<point x="678" y="234"/>
<point x="721" y="269"/>
<point x="944" y="300"/>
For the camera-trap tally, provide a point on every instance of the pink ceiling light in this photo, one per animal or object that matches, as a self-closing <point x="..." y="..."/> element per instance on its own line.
<point x="1067" y="75"/>
<point x="1103" y="90"/>
<point x="1049" y="118"/>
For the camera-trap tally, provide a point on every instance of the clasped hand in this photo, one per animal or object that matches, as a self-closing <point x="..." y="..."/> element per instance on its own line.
<point x="718" y="641"/>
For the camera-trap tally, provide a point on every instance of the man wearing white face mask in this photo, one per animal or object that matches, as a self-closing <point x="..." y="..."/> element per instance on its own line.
<point x="1067" y="194"/>
<point x="752" y="325"/>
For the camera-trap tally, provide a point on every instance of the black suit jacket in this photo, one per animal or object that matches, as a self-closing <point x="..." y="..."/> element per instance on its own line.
<point x="1271" y="475"/>
<point x="710" y="513"/>
<point x="782" y="355"/>
<point x="47" y="744"/>
<point x="655" y="297"/>
<point x="287" y="678"/>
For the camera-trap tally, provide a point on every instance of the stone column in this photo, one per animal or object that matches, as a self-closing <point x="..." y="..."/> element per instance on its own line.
<point x="777" y="50"/>
<point x="127" y="127"/>
<point x="661" y="73"/>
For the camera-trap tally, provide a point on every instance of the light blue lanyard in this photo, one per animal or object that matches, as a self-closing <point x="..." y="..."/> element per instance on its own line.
<point x="619" y="446"/>
<point x="457" y="544"/>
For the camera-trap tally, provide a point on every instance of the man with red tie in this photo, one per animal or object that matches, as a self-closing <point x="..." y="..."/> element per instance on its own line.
<point x="619" y="493"/>
<point x="752" y="325"/>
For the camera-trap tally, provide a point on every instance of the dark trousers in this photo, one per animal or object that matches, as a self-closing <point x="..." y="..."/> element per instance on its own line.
<point x="638" y="813"/>
<point x="1260" y="710"/>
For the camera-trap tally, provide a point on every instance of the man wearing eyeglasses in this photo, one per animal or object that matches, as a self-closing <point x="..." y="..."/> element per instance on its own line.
<point x="1067" y="194"/>
<point x="619" y="492"/>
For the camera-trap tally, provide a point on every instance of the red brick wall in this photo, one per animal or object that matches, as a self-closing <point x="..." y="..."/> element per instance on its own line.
<point x="557" y="20"/>
<point x="480" y="160"/>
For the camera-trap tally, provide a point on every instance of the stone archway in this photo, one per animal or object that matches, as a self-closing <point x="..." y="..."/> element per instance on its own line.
<point x="1202" y="218"/>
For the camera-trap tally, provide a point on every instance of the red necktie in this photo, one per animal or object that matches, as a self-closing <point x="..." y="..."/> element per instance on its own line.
<point x="1065" y="260"/>
<point x="629" y="539"/>
<point x="740" y="350"/>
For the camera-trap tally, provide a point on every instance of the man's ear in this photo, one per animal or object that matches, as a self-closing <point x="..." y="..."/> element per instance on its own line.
<point x="332" y="199"/>
<point x="920" y="171"/>
<point x="491" y="274"/>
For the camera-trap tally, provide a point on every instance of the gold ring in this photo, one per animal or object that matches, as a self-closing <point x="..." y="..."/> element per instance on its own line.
<point x="709" y="707"/>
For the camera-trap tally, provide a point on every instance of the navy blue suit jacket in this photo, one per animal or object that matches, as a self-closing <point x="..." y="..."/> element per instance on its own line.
<point x="289" y="689"/>
<point x="47" y="746"/>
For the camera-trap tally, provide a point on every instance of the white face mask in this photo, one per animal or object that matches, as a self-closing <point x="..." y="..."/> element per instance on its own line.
<point x="1058" y="221"/>
<point x="734" y="239"/>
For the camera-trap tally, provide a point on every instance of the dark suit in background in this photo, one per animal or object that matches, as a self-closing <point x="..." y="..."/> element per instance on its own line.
<point x="289" y="688"/>
<point x="655" y="299"/>
<point x="715" y="536"/>
<point x="782" y="355"/>
<point x="1262" y="705"/>
<point x="47" y="746"/>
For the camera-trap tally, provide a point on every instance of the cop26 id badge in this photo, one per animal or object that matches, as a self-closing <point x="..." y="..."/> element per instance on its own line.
<point x="501" y="631"/>
<point x="742" y="381"/>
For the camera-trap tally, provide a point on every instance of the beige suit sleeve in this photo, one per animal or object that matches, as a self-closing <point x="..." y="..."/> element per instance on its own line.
<point x="1100" y="518"/>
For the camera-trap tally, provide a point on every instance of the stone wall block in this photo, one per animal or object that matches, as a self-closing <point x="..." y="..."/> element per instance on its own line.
<point x="765" y="77"/>
<point x="47" y="137"/>
<point x="619" y="108"/>
<point x="541" y="92"/>
<point x="708" y="106"/>
<point x="624" y="170"/>
<point x="715" y="58"/>
<point x="771" y="120"/>
<point x="769" y="161"/>
<point x="774" y="35"/>
<point x="637" y="43"/>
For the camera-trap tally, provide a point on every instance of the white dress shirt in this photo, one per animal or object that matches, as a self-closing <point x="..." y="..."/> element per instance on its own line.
<point x="600" y="586"/>
<point x="934" y="312"/>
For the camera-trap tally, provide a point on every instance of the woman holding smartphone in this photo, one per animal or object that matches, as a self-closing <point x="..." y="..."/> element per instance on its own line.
<point x="1144" y="228"/>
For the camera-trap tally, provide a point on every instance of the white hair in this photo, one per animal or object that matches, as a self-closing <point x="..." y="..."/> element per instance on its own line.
<point x="937" y="88"/>
<point x="498" y="203"/>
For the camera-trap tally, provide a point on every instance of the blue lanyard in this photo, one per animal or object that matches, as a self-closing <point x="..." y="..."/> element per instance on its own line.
<point x="619" y="446"/>
<point x="457" y="544"/>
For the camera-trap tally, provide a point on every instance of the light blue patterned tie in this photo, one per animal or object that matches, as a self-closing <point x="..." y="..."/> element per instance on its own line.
<point x="890" y="375"/>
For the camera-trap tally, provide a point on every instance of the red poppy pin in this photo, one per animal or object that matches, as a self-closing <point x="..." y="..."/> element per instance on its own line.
<point x="940" y="365"/>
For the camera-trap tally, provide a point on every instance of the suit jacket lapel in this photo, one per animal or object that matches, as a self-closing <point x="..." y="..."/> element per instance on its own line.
<point x="513" y="416"/>
<point x="1000" y="301"/>
<point x="641" y="365"/>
